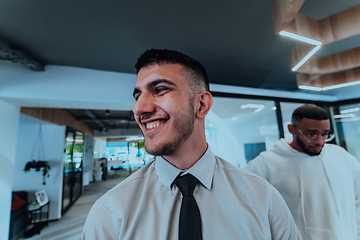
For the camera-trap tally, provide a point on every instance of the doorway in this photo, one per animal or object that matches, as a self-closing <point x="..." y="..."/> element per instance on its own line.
<point x="73" y="169"/>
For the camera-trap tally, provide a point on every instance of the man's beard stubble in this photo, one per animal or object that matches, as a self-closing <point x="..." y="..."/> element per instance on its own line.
<point x="301" y="144"/>
<point x="184" y="126"/>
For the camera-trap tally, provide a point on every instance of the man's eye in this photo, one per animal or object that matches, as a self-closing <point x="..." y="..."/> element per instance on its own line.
<point x="160" y="89"/>
<point x="311" y="134"/>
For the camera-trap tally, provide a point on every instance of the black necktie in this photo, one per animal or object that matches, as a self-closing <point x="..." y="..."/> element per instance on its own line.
<point x="190" y="220"/>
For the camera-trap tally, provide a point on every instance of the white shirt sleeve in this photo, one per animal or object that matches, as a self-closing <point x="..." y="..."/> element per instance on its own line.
<point x="99" y="223"/>
<point x="281" y="221"/>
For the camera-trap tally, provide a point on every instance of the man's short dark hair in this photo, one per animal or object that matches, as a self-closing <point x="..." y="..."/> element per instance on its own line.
<point x="197" y="73"/>
<point x="310" y="111"/>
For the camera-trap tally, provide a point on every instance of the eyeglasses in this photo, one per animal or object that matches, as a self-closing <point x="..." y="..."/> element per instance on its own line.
<point x="314" y="136"/>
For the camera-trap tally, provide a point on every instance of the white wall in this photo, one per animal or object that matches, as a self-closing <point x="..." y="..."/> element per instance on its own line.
<point x="99" y="147"/>
<point x="66" y="87"/>
<point x="51" y="149"/>
<point x="71" y="87"/>
<point x="88" y="161"/>
<point x="9" y="122"/>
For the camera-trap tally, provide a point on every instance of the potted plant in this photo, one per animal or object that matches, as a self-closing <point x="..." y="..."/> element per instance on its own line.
<point x="37" y="165"/>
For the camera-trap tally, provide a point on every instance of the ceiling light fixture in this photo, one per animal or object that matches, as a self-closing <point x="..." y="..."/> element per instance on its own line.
<point x="304" y="87"/>
<point x="258" y="107"/>
<point x="300" y="38"/>
<point x="349" y="119"/>
<point x="350" y="110"/>
<point x="340" y="85"/>
<point x="312" y="52"/>
<point x="303" y="39"/>
<point x="351" y="115"/>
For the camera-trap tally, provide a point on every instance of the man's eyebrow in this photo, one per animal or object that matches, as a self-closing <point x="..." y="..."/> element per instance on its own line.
<point x="158" y="81"/>
<point x="153" y="84"/>
<point x="314" y="130"/>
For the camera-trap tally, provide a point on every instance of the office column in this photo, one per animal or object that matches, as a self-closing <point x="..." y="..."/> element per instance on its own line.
<point x="9" y="124"/>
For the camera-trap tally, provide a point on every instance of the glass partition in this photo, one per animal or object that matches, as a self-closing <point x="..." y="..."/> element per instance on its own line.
<point x="73" y="161"/>
<point x="346" y="122"/>
<point x="238" y="129"/>
<point x="77" y="165"/>
<point x="287" y="109"/>
<point x="69" y="142"/>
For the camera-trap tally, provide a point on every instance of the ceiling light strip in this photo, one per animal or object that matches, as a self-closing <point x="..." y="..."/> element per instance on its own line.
<point x="306" y="58"/>
<point x="303" y="39"/>
<point x="304" y="87"/>
<point x="351" y="115"/>
<point x="340" y="85"/>
<point x="350" y="110"/>
<point x="258" y="107"/>
<point x="300" y="38"/>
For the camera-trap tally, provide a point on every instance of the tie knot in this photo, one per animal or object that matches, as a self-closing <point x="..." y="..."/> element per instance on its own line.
<point x="186" y="184"/>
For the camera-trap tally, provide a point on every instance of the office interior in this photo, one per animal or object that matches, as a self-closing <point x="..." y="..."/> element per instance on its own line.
<point x="252" y="80"/>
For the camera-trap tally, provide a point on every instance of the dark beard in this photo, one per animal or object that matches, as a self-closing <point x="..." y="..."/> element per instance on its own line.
<point x="303" y="147"/>
<point x="184" y="127"/>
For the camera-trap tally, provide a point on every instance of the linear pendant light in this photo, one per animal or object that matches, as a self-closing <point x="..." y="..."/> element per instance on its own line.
<point x="303" y="39"/>
<point x="300" y="38"/>
<point x="304" y="87"/>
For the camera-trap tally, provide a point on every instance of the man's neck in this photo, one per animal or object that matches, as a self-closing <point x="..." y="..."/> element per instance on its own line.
<point x="295" y="146"/>
<point x="186" y="156"/>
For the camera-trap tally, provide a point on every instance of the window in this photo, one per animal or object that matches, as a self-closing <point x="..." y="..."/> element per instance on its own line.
<point x="346" y="122"/>
<point x="286" y="111"/>
<point x="237" y="130"/>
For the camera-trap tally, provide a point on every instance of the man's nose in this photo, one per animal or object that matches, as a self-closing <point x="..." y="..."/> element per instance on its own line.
<point x="143" y="104"/>
<point x="320" y="140"/>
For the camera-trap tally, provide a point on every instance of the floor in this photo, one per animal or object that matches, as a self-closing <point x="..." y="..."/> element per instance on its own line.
<point x="70" y="226"/>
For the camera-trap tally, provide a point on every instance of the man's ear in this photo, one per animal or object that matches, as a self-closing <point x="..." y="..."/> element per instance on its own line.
<point x="291" y="129"/>
<point x="205" y="101"/>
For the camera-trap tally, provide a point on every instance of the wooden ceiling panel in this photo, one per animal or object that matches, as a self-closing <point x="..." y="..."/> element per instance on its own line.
<point x="284" y="12"/>
<point x="336" y="27"/>
<point x="339" y="61"/>
<point x="342" y="25"/>
<point x="328" y="80"/>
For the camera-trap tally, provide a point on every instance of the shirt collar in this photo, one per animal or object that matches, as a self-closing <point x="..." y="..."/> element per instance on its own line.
<point x="203" y="170"/>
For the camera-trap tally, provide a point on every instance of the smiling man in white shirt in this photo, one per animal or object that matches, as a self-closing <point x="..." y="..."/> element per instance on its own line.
<point x="172" y="100"/>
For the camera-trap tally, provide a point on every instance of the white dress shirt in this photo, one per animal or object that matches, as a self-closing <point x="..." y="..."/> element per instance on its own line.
<point x="233" y="203"/>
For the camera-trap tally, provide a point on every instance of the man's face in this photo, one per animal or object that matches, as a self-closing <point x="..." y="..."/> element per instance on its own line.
<point x="164" y="107"/>
<point x="310" y="126"/>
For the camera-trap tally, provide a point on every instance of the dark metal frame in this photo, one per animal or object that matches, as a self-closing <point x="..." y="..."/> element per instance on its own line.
<point x="63" y="210"/>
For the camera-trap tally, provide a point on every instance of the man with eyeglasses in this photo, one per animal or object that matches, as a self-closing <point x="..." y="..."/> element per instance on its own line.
<point x="320" y="182"/>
